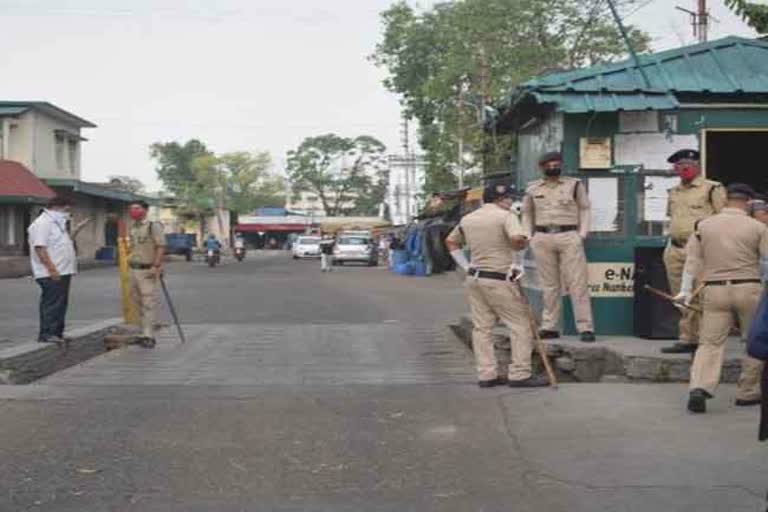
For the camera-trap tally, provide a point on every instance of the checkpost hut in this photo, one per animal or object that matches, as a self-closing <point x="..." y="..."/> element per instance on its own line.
<point x="616" y="124"/>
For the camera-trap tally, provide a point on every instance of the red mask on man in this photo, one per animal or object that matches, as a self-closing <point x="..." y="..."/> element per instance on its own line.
<point x="136" y="212"/>
<point x="687" y="172"/>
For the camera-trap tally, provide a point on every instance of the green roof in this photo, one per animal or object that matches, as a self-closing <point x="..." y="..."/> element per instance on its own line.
<point x="97" y="190"/>
<point x="729" y="66"/>
<point x="18" y="107"/>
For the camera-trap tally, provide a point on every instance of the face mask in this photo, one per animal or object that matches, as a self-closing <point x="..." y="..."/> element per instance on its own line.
<point x="552" y="172"/>
<point x="687" y="173"/>
<point x="136" y="212"/>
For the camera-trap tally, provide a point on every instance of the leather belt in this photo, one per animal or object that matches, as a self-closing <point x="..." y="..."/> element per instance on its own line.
<point x="731" y="281"/>
<point x="484" y="274"/>
<point x="140" y="266"/>
<point x="680" y="244"/>
<point x="555" y="229"/>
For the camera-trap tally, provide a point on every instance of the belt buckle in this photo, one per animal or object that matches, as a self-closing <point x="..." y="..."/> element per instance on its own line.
<point x="552" y="229"/>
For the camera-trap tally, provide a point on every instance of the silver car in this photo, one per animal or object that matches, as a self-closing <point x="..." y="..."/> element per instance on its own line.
<point x="357" y="249"/>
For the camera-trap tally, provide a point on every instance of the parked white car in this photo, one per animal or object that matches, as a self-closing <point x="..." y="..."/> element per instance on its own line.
<point x="355" y="248"/>
<point x="306" y="247"/>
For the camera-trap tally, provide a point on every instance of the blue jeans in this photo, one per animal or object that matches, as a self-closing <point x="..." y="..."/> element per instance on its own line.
<point x="53" y="306"/>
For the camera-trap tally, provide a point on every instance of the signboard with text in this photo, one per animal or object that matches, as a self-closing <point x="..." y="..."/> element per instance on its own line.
<point x="611" y="280"/>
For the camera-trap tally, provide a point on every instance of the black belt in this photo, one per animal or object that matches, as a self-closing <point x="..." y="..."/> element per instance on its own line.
<point x="140" y="266"/>
<point x="680" y="244"/>
<point x="555" y="229"/>
<point x="731" y="281"/>
<point x="484" y="274"/>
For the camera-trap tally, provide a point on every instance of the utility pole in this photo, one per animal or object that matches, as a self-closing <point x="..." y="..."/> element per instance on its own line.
<point x="460" y="130"/>
<point x="703" y="21"/>
<point x="407" y="167"/>
<point x="699" y="20"/>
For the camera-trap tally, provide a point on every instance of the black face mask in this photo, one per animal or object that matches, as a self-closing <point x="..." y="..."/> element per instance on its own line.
<point x="557" y="171"/>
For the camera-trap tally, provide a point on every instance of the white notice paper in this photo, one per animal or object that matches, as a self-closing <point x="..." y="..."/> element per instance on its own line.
<point x="655" y="197"/>
<point x="604" y="196"/>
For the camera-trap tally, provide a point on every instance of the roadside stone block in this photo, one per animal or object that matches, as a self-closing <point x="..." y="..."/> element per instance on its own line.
<point x="25" y="363"/>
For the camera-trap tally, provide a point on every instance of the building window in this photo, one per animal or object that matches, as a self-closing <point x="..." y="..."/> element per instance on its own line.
<point x="73" y="147"/>
<point x="60" y="151"/>
<point x="8" y="226"/>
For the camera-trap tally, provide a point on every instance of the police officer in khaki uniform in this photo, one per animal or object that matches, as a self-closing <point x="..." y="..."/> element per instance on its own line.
<point x="147" y="248"/>
<point x="726" y="251"/>
<point x="494" y="235"/>
<point x="695" y="198"/>
<point x="556" y="215"/>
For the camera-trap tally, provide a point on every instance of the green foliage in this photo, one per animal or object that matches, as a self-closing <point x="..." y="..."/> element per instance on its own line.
<point x="201" y="180"/>
<point x="347" y="174"/>
<point x="756" y="15"/>
<point x="446" y="63"/>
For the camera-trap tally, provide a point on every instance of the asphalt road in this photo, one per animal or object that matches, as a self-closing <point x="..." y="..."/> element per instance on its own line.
<point x="345" y="391"/>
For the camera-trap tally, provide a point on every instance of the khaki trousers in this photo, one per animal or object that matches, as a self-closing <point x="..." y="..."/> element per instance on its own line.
<point x="143" y="295"/>
<point x="489" y="301"/>
<point x="560" y="257"/>
<point x="674" y="261"/>
<point x="721" y="303"/>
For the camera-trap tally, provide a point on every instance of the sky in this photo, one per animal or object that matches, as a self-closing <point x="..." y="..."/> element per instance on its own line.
<point x="240" y="75"/>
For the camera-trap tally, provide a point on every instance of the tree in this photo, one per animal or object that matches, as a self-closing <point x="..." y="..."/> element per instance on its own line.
<point x="347" y="174"/>
<point x="180" y="168"/>
<point x="447" y="63"/>
<point x="756" y="15"/>
<point x="249" y="185"/>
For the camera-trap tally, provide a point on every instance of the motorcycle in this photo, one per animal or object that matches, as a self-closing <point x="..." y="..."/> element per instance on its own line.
<point x="212" y="257"/>
<point x="240" y="253"/>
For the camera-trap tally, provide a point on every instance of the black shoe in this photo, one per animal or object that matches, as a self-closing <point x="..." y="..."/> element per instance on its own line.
<point x="588" y="337"/>
<point x="538" y="381"/>
<point x="146" y="342"/>
<point x="740" y="402"/>
<point x="548" y="335"/>
<point x="498" y="381"/>
<point x="680" y="348"/>
<point x="697" y="401"/>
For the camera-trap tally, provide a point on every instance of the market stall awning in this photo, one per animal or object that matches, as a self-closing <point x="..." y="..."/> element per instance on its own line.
<point x="265" y="228"/>
<point x="19" y="185"/>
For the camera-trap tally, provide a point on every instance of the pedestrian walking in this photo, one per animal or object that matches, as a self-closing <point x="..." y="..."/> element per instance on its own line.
<point x="146" y="249"/>
<point x="54" y="263"/>
<point x="692" y="200"/>
<point x="494" y="236"/>
<point x="326" y="253"/>
<point x="726" y="251"/>
<point x="556" y="216"/>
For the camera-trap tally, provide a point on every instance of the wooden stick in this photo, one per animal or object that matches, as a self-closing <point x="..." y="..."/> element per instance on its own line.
<point x="540" y="347"/>
<point x="698" y="290"/>
<point x="670" y="298"/>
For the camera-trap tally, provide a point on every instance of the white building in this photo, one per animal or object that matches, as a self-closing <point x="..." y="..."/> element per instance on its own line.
<point x="42" y="137"/>
<point x="405" y="191"/>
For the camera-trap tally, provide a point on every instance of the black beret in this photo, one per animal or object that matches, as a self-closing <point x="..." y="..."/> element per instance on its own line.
<point x="549" y="157"/>
<point x="496" y="189"/>
<point x="683" y="154"/>
<point x="741" y="189"/>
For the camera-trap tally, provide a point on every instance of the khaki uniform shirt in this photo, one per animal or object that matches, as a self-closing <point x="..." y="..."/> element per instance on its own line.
<point x="728" y="246"/>
<point x="557" y="203"/>
<point x="487" y="231"/>
<point x="144" y="237"/>
<point x="688" y="203"/>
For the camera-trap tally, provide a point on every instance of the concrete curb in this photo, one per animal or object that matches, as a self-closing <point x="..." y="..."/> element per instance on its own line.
<point x="27" y="362"/>
<point x="610" y="359"/>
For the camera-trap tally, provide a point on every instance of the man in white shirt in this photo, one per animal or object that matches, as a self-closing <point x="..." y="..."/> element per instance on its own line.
<point x="52" y="254"/>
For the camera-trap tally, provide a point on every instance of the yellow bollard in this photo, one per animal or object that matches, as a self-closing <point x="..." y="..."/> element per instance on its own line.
<point x="130" y="315"/>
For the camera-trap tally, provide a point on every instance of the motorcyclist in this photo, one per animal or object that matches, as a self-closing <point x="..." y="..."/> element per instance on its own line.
<point x="239" y="241"/>
<point x="212" y="244"/>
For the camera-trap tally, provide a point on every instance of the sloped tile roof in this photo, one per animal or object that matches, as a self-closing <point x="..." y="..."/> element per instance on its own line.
<point x="19" y="182"/>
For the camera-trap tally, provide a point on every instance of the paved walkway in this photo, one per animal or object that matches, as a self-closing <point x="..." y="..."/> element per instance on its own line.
<point x="345" y="392"/>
